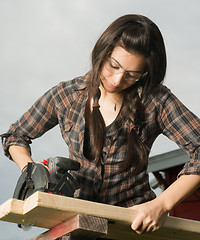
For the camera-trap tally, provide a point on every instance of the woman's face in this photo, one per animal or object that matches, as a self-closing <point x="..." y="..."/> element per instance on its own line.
<point x="121" y="70"/>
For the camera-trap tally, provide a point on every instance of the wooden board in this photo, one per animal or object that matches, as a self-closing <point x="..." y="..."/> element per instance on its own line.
<point x="47" y="210"/>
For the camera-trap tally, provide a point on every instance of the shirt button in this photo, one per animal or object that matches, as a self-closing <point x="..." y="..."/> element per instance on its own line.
<point x="98" y="183"/>
<point x="104" y="154"/>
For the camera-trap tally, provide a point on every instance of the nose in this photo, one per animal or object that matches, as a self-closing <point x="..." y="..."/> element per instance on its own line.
<point x="118" y="78"/>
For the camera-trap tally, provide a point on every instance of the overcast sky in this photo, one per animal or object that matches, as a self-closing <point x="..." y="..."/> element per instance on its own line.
<point x="44" y="42"/>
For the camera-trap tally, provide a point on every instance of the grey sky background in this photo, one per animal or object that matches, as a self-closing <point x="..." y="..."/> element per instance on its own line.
<point x="44" y="42"/>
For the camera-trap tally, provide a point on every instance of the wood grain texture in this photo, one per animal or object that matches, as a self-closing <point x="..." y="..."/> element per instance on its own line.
<point x="12" y="211"/>
<point x="81" y="227"/>
<point x="48" y="210"/>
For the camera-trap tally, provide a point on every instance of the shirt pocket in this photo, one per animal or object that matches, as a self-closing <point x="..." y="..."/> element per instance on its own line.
<point x="73" y="134"/>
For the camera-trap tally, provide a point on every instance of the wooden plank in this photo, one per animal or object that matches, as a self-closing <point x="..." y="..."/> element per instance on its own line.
<point x="12" y="211"/>
<point x="62" y="208"/>
<point x="81" y="227"/>
<point x="47" y="210"/>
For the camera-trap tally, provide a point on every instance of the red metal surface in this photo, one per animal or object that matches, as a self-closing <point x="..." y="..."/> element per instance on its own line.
<point x="190" y="207"/>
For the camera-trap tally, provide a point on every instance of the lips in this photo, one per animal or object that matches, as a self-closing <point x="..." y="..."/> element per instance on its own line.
<point x="108" y="86"/>
<point x="111" y="85"/>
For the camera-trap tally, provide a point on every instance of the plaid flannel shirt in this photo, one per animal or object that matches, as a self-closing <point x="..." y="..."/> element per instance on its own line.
<point x="65" y="104"/>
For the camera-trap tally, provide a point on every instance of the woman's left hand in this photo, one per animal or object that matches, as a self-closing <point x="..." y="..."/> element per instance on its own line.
<point x="151" y="216"/>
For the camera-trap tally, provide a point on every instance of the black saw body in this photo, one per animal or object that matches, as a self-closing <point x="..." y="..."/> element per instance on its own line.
<point x="36" y="177"/>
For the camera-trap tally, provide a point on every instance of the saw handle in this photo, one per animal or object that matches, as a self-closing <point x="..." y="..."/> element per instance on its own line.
<point x="58" y="166"/>
<point x="60" y="173"/>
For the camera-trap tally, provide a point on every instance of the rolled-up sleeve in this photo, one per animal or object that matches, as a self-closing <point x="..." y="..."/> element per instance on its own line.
<point x="35" y="122"/>
<point x="183" y="127"/>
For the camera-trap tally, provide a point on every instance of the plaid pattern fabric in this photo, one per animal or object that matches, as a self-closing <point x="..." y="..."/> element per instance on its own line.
<point x="65" y="104"/>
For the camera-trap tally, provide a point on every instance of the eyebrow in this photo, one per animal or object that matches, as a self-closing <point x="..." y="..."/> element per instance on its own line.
<point x="122" y="67"/>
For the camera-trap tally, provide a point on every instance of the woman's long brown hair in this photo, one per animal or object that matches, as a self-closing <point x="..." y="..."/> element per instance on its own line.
<point x="136" y="34"/>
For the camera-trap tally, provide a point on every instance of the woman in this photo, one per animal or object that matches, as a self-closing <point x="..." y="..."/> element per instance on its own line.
<point x="110" y="118"/>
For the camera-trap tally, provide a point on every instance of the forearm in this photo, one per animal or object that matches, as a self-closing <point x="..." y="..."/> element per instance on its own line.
<point x="179" y="190"/>
<point x="152" y="215"/>
<point x="20" y="155"/>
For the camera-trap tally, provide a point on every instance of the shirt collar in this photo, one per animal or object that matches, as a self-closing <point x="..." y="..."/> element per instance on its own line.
<point x="81" y="83"/>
